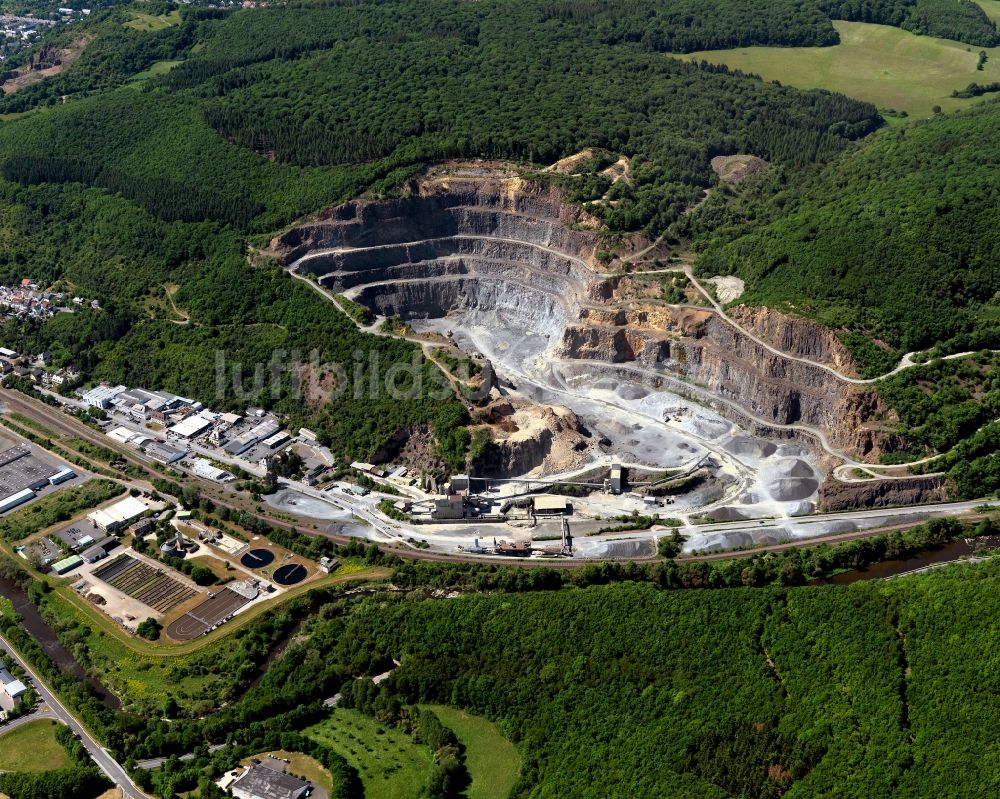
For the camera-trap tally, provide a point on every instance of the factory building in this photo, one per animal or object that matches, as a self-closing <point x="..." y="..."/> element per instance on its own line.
<point x="60" y="567"/>
<point x="162" y="453"/>
<point x="242" y="443"/>
<point x="616" y="478"/>
<point x="451" y="508"/>
<point x="262" y="781"/>
<point x="14" y="689"/>
<point x="194" y="425"/>
<point x="205" y="468"/>
<point x="551" y="506"/>
<point x="16" y="499"/>
<point x="64" y="474"/>
<point x="102" y="396"/>
<point x="118" y="515"/>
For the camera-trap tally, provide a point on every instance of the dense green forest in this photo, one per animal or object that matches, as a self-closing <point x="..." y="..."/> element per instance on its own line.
<point x="895" y="239"/>
<point x="348" y="96"/>
<point x="122" y="188"/>
<point x="865" y="690"/>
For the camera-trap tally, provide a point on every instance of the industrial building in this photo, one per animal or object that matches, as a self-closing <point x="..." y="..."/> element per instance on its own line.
<point x="242" y="443"/>
<point x="64" y="474"/>
<point x="205" y="468"/>
<point x="20" y="470"/>
<point x="276" y="440"/>
<point x="551" y="506"/>
<point x="16" y="499"/>
<point x="122" y="435"/>
<point x="101" y="396"/>
<point x="96" y="552"/>
<point x="60" y="567"/>
<point x="262" y="781"/>
<point x="194" y="425"/>
<point x="118" y="515"/>
<point x="14" y="689"/>
<point x="616" y="478"/>
<point x="451" y="508"/>
<point x="163" y="453"/>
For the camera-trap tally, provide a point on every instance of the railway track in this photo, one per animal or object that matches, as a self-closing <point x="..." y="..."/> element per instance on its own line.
<point x="57" y="421"/>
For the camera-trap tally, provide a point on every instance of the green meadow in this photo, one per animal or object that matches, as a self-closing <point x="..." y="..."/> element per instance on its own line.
<point x="892" y="68"/>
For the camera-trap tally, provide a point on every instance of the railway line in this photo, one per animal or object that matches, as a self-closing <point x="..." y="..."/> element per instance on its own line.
<point x="59" y="422"/>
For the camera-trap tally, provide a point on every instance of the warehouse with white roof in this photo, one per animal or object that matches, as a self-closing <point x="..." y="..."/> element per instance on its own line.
<point x="119" y="514"/>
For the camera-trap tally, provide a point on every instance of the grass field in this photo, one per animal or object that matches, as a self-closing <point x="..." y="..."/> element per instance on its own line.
<point x="149" y="22"/>
<point x="390" y="764"/>
<point x="32" y="747"/>
<point x="991" y="7"/>
<point x="157" y="68"/>
<point x="886" y="66"/>
<point x="216" y="566"/>
<point x="492" y="760"/>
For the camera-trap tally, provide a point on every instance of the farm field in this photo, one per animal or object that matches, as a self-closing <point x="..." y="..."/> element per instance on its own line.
<point x="391" y="766"/>
<point x="885" y="66"/>
<point x="32" y="747"/>
<point x="492" y="760"/>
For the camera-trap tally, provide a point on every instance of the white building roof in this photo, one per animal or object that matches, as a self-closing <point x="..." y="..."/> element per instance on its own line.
<point x="121" y="512"/>
<point x="122" y="434"/>
<point x="15" y="689"/>
<point x="205" y="468"/>
<point x="16" y="499"/>
<point x="193" y="425"/>
<point x="101" y="394"/>
<point x="278" y="438"/>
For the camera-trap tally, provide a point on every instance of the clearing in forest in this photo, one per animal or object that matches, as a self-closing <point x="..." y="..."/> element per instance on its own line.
<point x="492" y="760"/>
<point x="390" y="764"/>
<point x="892" y="68"/>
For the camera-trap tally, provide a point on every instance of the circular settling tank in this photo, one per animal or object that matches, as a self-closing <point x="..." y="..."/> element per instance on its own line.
<point x="257" y="558"/>
<point x="290" y="575"/>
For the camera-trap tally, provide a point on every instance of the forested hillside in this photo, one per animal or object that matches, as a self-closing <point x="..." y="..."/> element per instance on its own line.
<point x="897" y="239"/>
<point x="337" y="98"/>
<point x="869" y="690"/>
<point x="140" y="190"/>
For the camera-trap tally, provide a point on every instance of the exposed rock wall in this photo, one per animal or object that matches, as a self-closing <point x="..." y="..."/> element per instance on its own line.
<point x="799" y="337"/>
<point x="459" y="244"/>
<point x="703" y="348"/>
<point x="836" y="496"/>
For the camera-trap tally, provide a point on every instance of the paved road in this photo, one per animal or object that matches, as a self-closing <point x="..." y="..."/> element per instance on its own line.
<point x="100" y="755"/>
<point x="156" y="762"/>
<point x="40" y="713"/>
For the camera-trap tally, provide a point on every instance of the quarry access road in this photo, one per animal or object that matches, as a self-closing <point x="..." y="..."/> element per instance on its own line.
<point x="905" y="362"/>
<point x="817" y="434"/>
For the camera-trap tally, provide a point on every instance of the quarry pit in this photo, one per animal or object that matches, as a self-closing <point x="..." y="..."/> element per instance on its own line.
<point x="588" y="365"/>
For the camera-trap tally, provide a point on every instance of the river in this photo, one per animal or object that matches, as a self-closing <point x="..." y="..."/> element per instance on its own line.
<point x="928" y="557"/>
<point x="41" y="632"/>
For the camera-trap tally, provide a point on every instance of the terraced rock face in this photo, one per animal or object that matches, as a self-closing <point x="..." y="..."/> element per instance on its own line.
<point x="507" y="269"/>
<point x="457" y="245"/>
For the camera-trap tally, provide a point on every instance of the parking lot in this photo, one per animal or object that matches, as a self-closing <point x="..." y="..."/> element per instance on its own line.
<point x="80" y="534"/>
